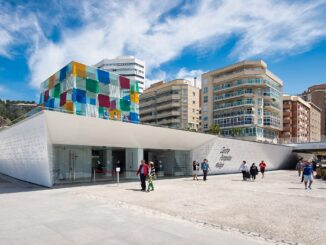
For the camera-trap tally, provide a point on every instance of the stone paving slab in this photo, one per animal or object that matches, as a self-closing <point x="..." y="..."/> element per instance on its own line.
<point x="64" y="216"/>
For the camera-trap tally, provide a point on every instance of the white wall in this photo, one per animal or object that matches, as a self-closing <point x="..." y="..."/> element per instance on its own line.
<point x="235" y="151"/>
<point x="24" y="151"/>
<point x="133" y="158"/>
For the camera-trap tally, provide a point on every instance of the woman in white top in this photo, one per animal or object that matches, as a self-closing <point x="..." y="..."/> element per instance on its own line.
<point x="244" y="170"/>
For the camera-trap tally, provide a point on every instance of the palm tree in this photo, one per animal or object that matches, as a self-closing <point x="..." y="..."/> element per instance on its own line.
<point x="214" y="129"/>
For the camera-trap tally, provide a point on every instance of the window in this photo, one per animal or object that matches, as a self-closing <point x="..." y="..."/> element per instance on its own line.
<point x="205" y="90"/>
<point x="205" y="118"/>
<point x="205" y="99"/>
<point x="193" y="93"/>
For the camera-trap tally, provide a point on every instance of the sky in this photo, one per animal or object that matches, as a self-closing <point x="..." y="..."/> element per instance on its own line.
<point x="176" y="39"/>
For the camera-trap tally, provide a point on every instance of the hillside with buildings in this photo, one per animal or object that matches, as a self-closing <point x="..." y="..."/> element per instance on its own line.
<point x="11" y="110"/>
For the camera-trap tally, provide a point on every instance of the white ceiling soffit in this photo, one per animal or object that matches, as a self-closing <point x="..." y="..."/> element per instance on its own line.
<point x="68" y="129"/>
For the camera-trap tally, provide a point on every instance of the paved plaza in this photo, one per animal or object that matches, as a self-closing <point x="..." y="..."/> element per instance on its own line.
<point x="223" y="210"/>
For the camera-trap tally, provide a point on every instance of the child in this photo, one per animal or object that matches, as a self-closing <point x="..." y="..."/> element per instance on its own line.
<point x="150" y="177"/>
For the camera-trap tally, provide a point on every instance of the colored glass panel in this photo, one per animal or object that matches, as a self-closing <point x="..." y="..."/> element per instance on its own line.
<point x="80" y="109"/>
<point x="92" y="85"/>
<point x="124" y="82"/>
<point x="114" y="79"/>
<point x="103" y="76"/>
<point x="115" y="114"/>
<point x="113" y="104"/>
<point x="79" y="69"/>
<point x="49" y="103"/>
<point x="103" y="100"/>
<point x="79" y="96"/>
<point x="124" y="105"/>
<point x="134" y="117"/>
<point x="51" y="81"/>
<point x="134" y="86"/>
<point x="56" y="91"/>
<point x="134" y="97"/>
<point x="63" y="74"/>
<point x="104" y="88"/>
<point x="63" y="99"/>
<point x="46" y="96"/>
<point x="69" y="106"/>
<point x="91" y="73"/>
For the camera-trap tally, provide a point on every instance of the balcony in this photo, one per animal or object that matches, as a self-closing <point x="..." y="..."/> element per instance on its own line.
<point x="146" y="110"/>
<point x="223" y="98"/>
<point x="168" y="114"/>
<point x="245" y="104"/>
<point x="168" y="121"/>
<point x="146" y="118"/>
<point x="168" y="105"/>
<point x="167" y="98"/>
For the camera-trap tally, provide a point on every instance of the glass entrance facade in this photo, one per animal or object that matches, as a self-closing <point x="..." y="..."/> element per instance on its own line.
<point x="78" y="164"/>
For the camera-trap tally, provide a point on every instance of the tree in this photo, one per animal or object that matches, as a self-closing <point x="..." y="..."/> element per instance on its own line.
<point x="215" y="129"/>
<point x="236" y="131"/>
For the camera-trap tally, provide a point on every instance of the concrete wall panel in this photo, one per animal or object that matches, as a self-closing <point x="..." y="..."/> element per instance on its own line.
<point x="226" y="155"/>
<point x="24" y="151"/>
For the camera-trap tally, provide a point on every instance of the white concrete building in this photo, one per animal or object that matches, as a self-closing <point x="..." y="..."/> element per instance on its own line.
<point x="127" y="66"/>
<point x="53" y="148"/>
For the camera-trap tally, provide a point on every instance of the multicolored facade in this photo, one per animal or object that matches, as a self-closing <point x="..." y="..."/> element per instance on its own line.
<point x="88" y="91"/>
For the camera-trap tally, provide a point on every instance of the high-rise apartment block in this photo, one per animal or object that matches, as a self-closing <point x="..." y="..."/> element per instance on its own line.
<point x="174" y="104"/>
<point x="127" y="66"/>
<point x="301" y="121"/>
<point x="296" y="120"/>
<point x="317" y="95"/>
<point x="244" y="99"/>
<point x="315" y="123"/>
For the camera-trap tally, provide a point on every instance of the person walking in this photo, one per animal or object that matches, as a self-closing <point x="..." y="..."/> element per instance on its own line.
<point x="195" y="168"/>
<point x="151" y="177"/>
<point x="299" y="167"/>
<point x="244" y="170"/>
<point x="205" y="168"/>
<point x="143" y="172"/>
<point x="262" y="167"/>
<point x="253" y="171"/>
<point x="307" y="175"/>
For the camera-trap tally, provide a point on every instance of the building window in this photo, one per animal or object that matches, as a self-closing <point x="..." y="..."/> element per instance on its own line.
<point x="193" y="94"/>
<point x="205" y="90"/>
<point x="205" y="126"/>
<point x="205" y="99"/>
<point x="205" y="118"/>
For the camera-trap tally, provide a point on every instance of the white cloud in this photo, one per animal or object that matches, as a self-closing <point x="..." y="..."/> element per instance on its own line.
<point x="158" y="76"/>
<point x="189" y="75"/>
<point x="147" y="30"/>
<point x="2" y="89"/>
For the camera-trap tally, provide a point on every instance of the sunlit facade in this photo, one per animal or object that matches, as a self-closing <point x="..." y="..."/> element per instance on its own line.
<point x="244" y="99"/>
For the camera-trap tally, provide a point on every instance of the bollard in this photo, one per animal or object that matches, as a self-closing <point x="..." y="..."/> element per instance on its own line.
<point x="117" y="171"/>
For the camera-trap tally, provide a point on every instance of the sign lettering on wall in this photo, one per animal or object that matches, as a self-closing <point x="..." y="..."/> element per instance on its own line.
<point x="224" y="157"/>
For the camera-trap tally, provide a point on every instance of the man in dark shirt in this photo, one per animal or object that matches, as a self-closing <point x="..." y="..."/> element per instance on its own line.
<point x="307" y="175"/>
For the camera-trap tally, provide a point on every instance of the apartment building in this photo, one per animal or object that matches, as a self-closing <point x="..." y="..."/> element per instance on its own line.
<point x="317" y="95"/>
<point x="301" y="120"/>
<point x="315" y="123"/>
<point x="127" y="66"/>
<point x="244" y="99"/>
<point x="174" y="104"/>
<point x="296" y="120"/>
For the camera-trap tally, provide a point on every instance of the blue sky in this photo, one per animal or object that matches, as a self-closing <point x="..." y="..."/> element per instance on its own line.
<point x="176" y="39"/>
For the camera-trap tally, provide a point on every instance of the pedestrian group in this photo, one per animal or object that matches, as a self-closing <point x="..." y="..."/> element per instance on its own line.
<point x="252" y="172"/>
